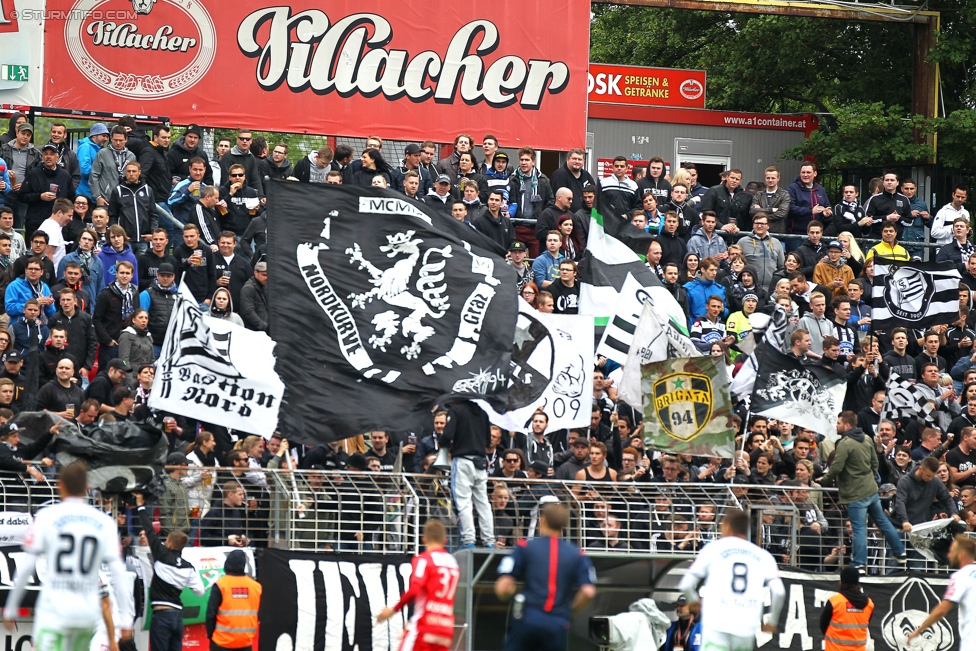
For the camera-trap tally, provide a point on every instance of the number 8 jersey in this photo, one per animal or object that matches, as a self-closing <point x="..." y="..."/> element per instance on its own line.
<point x="75" y="539"/>
<point x="735" y="573"/>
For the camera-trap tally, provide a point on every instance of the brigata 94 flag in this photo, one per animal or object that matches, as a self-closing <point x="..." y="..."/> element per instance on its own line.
<point x="382" y="309"/>
<point x="687" y="408"/>
<point x="346" y="67"/>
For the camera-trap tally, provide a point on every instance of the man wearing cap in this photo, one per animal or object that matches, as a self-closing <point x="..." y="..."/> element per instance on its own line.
<point x="684" y="633"/>
<point x="182" y="152"/>
<point x="102" y="388"/>
<point x="498" y="175"/>
<point x="42" y="185"/>
<point x="16" y="457"/>
<point x="174" y="505"/>
<point x="66" y="158"/>
<point x="833" y="273"/>
<point x="845" y="617"/>
<point x="254" y="299"/>
<point x="20" y="156"/>
<point x="440" y="198"/>
<point x="578" y="460"/>
<point x="517" y="251"/>
<point x="88" y="149"/>
<point x="232" y="611"/>
<point x="13" y="370"/>
<point x="411" y="162"/>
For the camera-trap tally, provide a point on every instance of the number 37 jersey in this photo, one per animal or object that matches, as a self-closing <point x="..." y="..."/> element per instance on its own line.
<point x="432" y="587"/>
<point x="735" y="573"/>
<point x="74" y="539"/>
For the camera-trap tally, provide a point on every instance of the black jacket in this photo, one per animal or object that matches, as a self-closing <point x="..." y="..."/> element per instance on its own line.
<point x="53" y="397"/>
<point x="149" y="264"/>
<point x="251" y="175"/>
<point x="563" y="178"/>
<point x="133" y="207"/>
<point x="155" y="170"/>
<point x="13" y="459"/>
<point x="108" y="315"/>
<point x="101" y="389"/>
<point x="254" y="305"/>
<point x="178" y="158"/>
<point x="201" y="280"/>
<point x="220" y="522"/>
<point x="238" y="216"/>
<point x="278" y="171"/>
<point x="206" y="220"/>
<point x="811" y="254"/>
<point x="499" y="230"/>
<point x="37" y="181"/>
<point x="673" y="247"/>
<point x="727" y="206"/>
<point x="171" y="572"/>
<point x="82" y="342"/>
<point x="547" y="221"/>
<point x="49" y="359"/>
<point x="466" y="433"/>
<point x="240" y="272"/>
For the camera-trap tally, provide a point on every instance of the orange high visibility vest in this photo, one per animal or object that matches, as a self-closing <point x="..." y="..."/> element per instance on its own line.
<point x="237" y="617"/>
<point x="848" y="628"/>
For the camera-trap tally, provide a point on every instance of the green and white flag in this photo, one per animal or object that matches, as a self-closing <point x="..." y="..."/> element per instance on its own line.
<point x="604" y="269"/>
<point x="687" y="407"/>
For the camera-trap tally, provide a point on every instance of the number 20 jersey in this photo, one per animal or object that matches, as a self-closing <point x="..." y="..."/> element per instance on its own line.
<point x="74" y="539"/>
<point x="735" y="573"/>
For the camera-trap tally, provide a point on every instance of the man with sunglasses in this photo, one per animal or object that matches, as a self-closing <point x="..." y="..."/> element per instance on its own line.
<point x="241" y="154"/>
<point x="239" y="202"/>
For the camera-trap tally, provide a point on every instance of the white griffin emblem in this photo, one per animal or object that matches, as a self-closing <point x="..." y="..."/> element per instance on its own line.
<point x="392" y="286"/>
<point x="804" y="394"/>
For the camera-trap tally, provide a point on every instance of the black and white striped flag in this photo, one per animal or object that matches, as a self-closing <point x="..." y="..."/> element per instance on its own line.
<point x="914" y="294"/>
<point x="904" y="400"/>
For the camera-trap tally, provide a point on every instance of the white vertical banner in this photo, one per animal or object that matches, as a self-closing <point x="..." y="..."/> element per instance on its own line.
<point x="217" y="372"/>
<point x="552" y="369"/>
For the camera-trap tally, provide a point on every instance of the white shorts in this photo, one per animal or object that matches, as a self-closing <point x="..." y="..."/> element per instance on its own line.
<point x="51" y="635"/>
<point x="719" y="641"/>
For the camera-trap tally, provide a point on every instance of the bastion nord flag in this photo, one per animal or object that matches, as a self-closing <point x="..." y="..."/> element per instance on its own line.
<point x="382" y="309"/>
<point x="914" y="294"/>
<point x="687" y="408"/>
<point x="216" y="371"/>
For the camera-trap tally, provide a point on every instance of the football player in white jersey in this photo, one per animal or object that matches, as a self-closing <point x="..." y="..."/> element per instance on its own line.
<point x="961" y="590"/>
<point x="75" y="539"/>
<point x="735" y="574"/>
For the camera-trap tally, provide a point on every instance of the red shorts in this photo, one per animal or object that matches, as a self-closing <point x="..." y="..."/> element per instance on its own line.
<point x="414" y="640"/>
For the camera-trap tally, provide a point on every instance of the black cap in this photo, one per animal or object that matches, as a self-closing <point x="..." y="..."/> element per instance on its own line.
<point x="195" y="130"/>
<point x="589" y="187"/>
<point x="850" y="576"/>
<point x="50" y="146"/>
<point x="500" y="154"/>
<point x="13" y="356"/>
<point x="682" y="601"/>
<point x="581" y="442"/>
<point x="118" y="365"/>
<point x="443" y="178"/>
<point x="411" y="148"/>
<point x="166" y="268"/>
<point x="518" y="246"/>
<point x="540" y="467"/>
<point x="357" y="461"/>
<point x="177" y="459"/>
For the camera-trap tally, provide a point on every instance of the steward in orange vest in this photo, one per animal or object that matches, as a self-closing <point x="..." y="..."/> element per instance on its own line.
<point x="845" y="617"/>
<point x="232" y="612"/>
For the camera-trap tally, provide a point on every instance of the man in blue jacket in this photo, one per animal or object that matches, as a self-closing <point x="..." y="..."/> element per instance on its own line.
<point x="808" y="202"/>
<point x="701" y="288"/>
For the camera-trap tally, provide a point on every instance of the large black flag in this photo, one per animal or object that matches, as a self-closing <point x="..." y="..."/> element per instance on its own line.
<point x="808" y="396"/>
<point x="381" y="309"/>
<point x="914" y="294"/>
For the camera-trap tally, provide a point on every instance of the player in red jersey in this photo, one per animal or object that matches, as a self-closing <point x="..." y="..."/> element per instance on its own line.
<point x="433" y="583"/>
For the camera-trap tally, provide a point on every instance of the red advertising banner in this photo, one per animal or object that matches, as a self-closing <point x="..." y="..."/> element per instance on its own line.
<point x="641" y="86"/>
<point x="357" y="67"/>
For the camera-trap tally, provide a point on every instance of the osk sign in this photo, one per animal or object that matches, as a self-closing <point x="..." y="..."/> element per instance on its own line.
<point x="350" y="68"/>
<point x="640" y="86"/>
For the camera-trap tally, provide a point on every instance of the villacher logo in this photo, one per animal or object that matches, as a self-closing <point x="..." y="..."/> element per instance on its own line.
<point x="167" y="49"/>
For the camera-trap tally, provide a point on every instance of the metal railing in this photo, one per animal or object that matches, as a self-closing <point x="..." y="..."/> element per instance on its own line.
<point x="383" y="513"/>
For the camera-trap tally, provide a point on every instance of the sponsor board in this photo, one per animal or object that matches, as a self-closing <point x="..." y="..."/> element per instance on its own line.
<point x="640" y="86"/>
<point x="348" y="68"/>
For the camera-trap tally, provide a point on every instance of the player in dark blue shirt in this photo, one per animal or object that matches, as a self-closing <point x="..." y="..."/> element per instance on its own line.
<point x="558" y="582"/>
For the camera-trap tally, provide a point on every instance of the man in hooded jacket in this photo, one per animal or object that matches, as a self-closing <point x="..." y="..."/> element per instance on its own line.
<point x="186" y="148"/>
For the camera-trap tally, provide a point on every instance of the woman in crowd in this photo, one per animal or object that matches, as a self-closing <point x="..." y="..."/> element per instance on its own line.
<point x="572" y="247"/>
<point x="92" y="268"/>
<point x="791" y="263"/>
<point x="201" y="473"/>
<point x="117" y="251"/>
<point x="222" y="307"/>
<point x="531" y="294"/>
<point x="373" y="164"/>
<point x="689" y="268"/>
<point x="144" y="380"/>
<point x="7" y="391"/>
<point x="720" y="353"/>
<point x="851" y="253"/>
<point x="80" y="220"/>
<point x="135" y="342"/>
<point x="944" y="474"/>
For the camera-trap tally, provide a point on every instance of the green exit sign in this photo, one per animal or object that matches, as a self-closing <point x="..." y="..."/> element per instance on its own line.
<point x="13" y="73"/>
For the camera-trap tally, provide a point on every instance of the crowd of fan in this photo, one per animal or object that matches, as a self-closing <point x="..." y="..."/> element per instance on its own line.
<point x="114" y="222"/>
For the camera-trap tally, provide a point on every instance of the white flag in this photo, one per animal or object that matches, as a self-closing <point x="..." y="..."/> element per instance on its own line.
<point x="552" y="368"/>
<point x="217" y="372"/>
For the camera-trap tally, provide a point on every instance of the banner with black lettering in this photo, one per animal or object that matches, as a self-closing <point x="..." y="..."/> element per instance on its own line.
<point x="381" y="308"/>
<point x="901" y="604"/>
<point x="319" y="602"/>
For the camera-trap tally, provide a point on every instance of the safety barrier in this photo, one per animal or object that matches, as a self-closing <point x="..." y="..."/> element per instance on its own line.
<point x="384" y="513"/>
